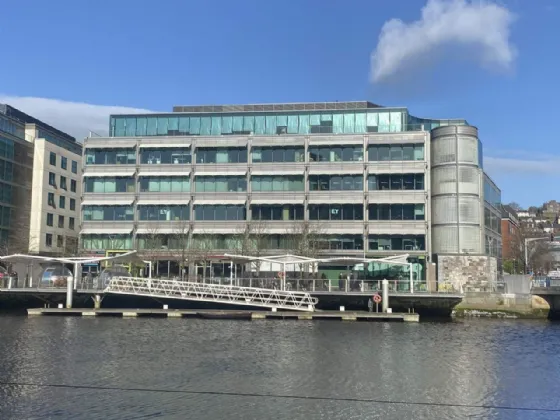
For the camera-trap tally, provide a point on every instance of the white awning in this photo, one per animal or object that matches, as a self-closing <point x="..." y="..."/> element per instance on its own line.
<point x="318" y="170"/>
<point x="160" y="230"/>
<point x="276" y="200"/>
<point x="164" y="146"/>
<point x="359" y="198"/>
<point x="111" y="173"/>
<point x="221" y="173"/>
<point x="224" y="201"/>
<point x="162" y="201"/>
<point x="279" y="172"/>
<point x="165" y="173"/>
<point x="105" y="230"/>
<point x="110" y="144"/>
<point x="108" y="201"/>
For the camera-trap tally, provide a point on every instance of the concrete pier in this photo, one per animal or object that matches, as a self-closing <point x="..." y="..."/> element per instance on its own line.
<point x="230" y="314"/>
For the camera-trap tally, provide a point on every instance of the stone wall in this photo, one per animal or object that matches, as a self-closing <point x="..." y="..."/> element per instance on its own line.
<point x="468" y="272"/>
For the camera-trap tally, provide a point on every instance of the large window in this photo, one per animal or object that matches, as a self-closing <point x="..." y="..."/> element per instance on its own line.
<point x="388" y="152"/>
<point x="103" y="242"/>
<point x="108" y="213"/>
<point x="63" y="162"/>
<point x="63" y="184"/>
<point x="396" y="212"/>
<point x="61" y="222"/>
<point x="348" y="242"/>
<point x="165" y="184"/>
<point x="396" y="182"/>
<point x="74" y="167"/>
<point x="163" y="212"/>
<point x="272" y="123"/>
<point x="52" y="158"/>
<point x="336" y="154"/>
<point x="6" y="169"/>
<point x="109" y="184"/>
<point x="50" y="219"/>
<point x="220" y="212"/>
<point x="50" y="199"/>
<point x="178" y="156"/>
<point x="278" y="154"/>
<point x="71" y="223"/>
<point x="110" y="156"/>
<point x="72" y="204"/>
<point x="52" y="179"/>
<point x="397" y="243"/>
<point x="73" y="185"/>
<point x="277" y="183"/>
<point x="221" y="155"/>
<point x="336" y="212"/>
<point x="277" y="212"/>
<point x="336" y="182"/>
<point x="48" y="239"/>
<point x="220" y="183"/>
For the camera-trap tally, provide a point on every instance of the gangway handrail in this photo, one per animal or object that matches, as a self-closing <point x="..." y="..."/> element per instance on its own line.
<point x="203" y="292"/>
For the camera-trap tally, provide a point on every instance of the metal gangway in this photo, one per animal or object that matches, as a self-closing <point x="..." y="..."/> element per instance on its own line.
<point x="202" y="292"/>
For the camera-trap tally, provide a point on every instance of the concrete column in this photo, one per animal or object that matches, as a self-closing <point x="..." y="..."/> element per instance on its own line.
<point x="77" y="274"/>
<point x="97" y="302"/>
<point x="385" y="295"/>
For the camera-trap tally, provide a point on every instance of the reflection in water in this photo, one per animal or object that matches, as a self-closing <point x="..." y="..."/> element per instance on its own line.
<point x="472" y="363"/>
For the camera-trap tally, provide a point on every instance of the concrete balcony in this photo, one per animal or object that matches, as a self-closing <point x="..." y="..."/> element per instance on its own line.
<point x="278" y="168"/>
<point x="163" y="227"/>
<point x="218" y="227"/>
<point x="397" y="167"/>
<point x="107" y="227"/>
<point x="220" y="169"/>
<point x="338" y="227"/>
<point x="220" y="141"/>
<point x="336" y="197"/>
<point x="398" y="137"/>
<point x="336" y="168"/>
<point x="278" y="197"/>
<point x="164" y="169"/>
<point x="110" y="143"/>
<point x="278" y="141"/>
<point x="336" y="139"/>
<point x="164" y="198"/>
<point x="124" y="170"/>
<point x="277" y="227"/>
<point x="108" y="199"/>
<point x="397" y="197"/>
<point x="220" y="198"/>
<point x="392" y="227"/>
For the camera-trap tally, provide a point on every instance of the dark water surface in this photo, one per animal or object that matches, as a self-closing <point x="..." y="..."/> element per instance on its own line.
<point x="471" y="366"/>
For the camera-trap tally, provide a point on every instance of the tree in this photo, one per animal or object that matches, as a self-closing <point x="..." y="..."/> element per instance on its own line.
<point x="152" y="244"/>
<point x="203" y="246"/>
<point x="515" y="206"/>
<point x="251" y="240"/>
<point x="538" y="252"/>
<point x="306" y="240"/>
<point x="182" y="245"/>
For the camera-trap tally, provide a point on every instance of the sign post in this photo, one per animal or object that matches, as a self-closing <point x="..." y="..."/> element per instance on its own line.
<point x="377" y="300"/>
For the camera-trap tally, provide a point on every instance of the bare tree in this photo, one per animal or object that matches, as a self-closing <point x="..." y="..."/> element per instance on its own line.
<point x="182" y="245"/>
<point x="71" y="248"/>
<point x="203" y="246"/>
<point x="539" y="256"/>
<point x="251" y="240"/>
<point x="307" y="240"/>
<point x="152" y="244"/>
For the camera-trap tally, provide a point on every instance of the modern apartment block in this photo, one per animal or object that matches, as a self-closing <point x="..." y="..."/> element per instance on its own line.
<point x="52" y="211"/>
<point x="357" y="178"/>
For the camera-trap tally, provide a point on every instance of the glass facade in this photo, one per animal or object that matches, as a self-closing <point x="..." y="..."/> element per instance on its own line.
<point x="336" y="154"/>
<point x="336" y="242"/>
<point x="221" y="155"/>
<point x="163" y="212"/>
<point x="277" y="183"/>
<point x="396" y="182"/>
<point x="395" y="152"/>
<point x="110" y="156"/>
<point x="396" y="212"/>
<point x="382" y="120"/>
<point x="397" y="242"/>
<point x="277" y="154"/>
<point x="155" y="156"/>
<point x="165" y="184"/>
<point x="492" y="194"/>
<point x="277" y="212"/>
<point x="103" y="242"/>
<point x="336" y="182"/>
<point x="220" y="183"/>
<point x="109" y="184"/>
<point x="109" y="213"/>
<point x="336" y="212"/>
<point x="220" y="212"/>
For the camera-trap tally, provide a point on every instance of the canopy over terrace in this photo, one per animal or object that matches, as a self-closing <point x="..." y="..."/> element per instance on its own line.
<point x="291" y="261"/>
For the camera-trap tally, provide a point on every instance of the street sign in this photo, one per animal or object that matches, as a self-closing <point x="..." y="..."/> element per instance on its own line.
<point x="377" y="298"/>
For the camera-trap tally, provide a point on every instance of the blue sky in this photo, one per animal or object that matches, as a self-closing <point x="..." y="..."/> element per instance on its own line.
<point x="495" y="64"/>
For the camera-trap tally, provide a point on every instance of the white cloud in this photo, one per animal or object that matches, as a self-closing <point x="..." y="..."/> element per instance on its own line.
<point x="479" y="24"/>
<point x="74" y="118"/>
<point x="501" y="165"/>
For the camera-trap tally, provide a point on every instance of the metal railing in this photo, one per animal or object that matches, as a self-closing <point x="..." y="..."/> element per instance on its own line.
<point x="204" y="292"/>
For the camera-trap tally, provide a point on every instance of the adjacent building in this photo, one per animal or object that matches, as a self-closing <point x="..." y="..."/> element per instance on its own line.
<point x="512" y="242"/>
<point x="330" y="179"/>
<point x="46" y="206"/>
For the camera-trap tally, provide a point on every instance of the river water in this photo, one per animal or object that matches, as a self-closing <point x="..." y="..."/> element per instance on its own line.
<point x="112" y="368"/>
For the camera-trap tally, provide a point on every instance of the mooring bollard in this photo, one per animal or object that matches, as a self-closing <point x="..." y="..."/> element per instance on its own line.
<point x="385" y="297"/>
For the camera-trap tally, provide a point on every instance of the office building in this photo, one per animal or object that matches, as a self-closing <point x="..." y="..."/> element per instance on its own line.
<point x="49" y="220"/>
<point x="330" y="179"/>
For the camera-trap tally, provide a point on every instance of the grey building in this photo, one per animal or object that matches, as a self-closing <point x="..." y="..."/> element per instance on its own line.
<point x="332" y="179"/>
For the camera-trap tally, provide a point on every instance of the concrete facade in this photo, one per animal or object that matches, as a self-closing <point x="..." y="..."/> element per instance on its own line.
<point x="468" y="272"/>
